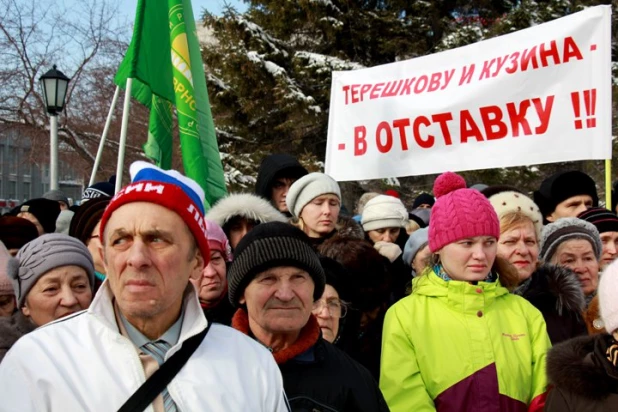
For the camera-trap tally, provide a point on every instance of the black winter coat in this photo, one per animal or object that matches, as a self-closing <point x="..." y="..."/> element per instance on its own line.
<point x="556" y="292"/>
<point x="330" y="381"/>
<point x="583" y="379"/>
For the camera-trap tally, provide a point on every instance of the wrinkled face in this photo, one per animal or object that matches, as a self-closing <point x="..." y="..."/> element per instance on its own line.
<point x="419" y="262"/>
<point x="386" y="234"/>
<point x="279" y="191"/>
<point x="94" y="244"/>
<point x="238" y="229"/>
<point x="58" y="293"/>
<point x="520" y="247"/>
<point x="328" y="310"/>
<point x="578" y="255"/>
<point x="213" y="282"/>
<point x="610" y="248"/>
<point x="571" y="207"/>
<point x="279" y="300"/>
<point x="469" y="259"/>
<point x="7" y="305"/>
<point x="320" y="215"/>
<point x="32" y="218"/>
<point x="149" y="256"/>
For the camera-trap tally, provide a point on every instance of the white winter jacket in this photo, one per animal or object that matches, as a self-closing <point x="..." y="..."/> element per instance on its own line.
<point x="83" y="363"/>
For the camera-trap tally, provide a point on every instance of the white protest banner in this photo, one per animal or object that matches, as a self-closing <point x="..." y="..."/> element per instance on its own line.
<point x="538" y="95"/>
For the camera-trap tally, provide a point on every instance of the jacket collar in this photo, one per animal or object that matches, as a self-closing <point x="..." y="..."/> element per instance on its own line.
<point x="461" y="296"/>
<point x="308" y="337"/>
<point x="194" y="321"/>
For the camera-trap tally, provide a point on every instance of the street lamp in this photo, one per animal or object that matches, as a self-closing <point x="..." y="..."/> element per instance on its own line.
<point x="54" y="85"/>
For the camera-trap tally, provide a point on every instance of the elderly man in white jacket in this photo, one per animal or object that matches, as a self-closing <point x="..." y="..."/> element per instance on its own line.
<point x="154" y="240"/>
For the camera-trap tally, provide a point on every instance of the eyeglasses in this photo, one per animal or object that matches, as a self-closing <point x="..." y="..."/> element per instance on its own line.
<point x="336" y="307"/>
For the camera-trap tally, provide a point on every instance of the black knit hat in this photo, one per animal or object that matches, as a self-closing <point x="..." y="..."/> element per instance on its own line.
<point x="423" y="198"/>
<point x="561" y="186"/>
<point x="16" y="231"/>
<point x="270" y="245"/>
<point x="86" y="218"/>
<point x="601" y="218"/>
<point x="46" y="212"/>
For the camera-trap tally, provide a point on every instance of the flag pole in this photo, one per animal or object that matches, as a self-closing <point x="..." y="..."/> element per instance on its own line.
<point x="97" y="161"/>
<point x="608" y="184"/>
<point x="123" y="134"/>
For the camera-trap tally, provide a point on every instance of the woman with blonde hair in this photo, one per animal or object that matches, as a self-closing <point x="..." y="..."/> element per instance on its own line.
<point x="461" y="341"/>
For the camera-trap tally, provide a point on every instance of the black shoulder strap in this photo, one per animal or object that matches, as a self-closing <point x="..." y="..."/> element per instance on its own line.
<point x="163" y="376"/>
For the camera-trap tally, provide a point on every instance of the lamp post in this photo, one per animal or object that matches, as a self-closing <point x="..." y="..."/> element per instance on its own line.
<point x="54" y="85"/>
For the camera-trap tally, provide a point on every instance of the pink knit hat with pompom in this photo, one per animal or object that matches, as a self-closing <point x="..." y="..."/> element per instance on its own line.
<point x="459" y="213"/>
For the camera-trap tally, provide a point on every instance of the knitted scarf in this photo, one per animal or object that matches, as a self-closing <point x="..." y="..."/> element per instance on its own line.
<point x="309" y="335"/>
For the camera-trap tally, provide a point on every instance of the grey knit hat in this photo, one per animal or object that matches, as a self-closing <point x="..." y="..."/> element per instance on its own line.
<point x="417" y="240"/>
<point x="568" y="228"/>
<point x="307" y="188"/>
<point x="43" y="254"/>
<point x="56" y="195"/>
<point x="270" y="245"/>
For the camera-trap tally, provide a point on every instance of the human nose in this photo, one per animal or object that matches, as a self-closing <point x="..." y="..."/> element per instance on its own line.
<point x="209" y="271"/>
<point x="478" y="252"/>
<point x="580" y="209"/>
<point x="326" y="209"/>
<point x="138" y="254"/>
<point x="521" y="248"/>
<point x="284" y="292"/>
<point x="67" y="297"/>
<point x="611" y="248"/>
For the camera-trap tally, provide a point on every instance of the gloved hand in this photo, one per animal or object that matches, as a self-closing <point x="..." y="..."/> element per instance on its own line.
<point x="389" y="250"/>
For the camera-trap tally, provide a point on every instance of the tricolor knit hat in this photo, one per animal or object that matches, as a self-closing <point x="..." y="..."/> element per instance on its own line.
<point x="568" y="228"/>
<point x="512" y="201"/>
<point x="601" y="218"/>
<point x="167" y="188"/>
<point x="270" y="245"/>
<point x="307" y="188"/>
<point x="383" y="211"/>
<point x="608" y="304"/>
<point x="217" y="240"/>
<point x="561" y="186"/>
<point x="459" y="213"/>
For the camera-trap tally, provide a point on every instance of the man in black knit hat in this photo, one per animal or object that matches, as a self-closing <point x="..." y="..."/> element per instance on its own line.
<point x="274" y="280"/>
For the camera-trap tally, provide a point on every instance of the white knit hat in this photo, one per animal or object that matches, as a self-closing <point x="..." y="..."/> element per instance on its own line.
<point x="307" y="188"/>
<point x="608" y="290"/>
<point x="383" y="211"/>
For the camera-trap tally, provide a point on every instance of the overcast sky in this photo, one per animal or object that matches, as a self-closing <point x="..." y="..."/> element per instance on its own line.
<point x="127" y="7"/>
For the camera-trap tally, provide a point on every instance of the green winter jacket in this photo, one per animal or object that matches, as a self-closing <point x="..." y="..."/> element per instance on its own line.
<point x="455" y="346"/>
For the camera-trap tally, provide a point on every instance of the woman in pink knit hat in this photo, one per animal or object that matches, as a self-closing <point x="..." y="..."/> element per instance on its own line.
<point x="461" y="341"/>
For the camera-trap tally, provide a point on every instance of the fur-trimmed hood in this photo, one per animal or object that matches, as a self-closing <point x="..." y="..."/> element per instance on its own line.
<point x="245" y="205"/>
<point x="557" y="284"/>
<point x="571" y="367"/>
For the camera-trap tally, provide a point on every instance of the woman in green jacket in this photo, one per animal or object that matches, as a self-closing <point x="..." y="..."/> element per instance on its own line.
<point x="461" y="341"/>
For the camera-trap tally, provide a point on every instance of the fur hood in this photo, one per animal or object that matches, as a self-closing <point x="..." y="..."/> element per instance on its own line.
<point x="556" y="284"/>
<point x="246" y="205"/>
<point x="571" y="368"/>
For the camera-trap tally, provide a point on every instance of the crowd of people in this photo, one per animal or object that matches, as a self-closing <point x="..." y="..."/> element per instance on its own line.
<point x="473" y="298"/>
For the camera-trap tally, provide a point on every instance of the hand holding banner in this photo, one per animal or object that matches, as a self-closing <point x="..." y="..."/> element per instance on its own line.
<point x="538" y="95"/>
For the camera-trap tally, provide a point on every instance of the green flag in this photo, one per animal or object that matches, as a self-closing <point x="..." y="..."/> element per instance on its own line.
<point x="165" y="62"/>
